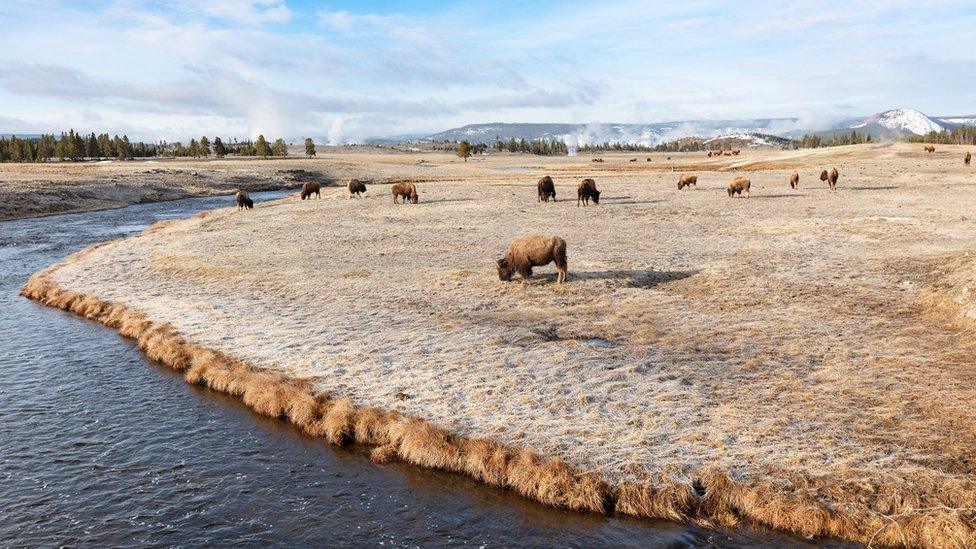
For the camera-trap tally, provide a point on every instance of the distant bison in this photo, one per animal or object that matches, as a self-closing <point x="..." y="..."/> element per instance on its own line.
<point x="728" y="153"/>
<point x="598" y="160"/>
<point x="735" y="152"/>
<point x="739" y="185"/>
<point x="968" y="158"/>
<point x="311" y="187"/>
<point x="533" y="251"/>
<point x="356" y="187"/>
<point x="830" y="178"/>
<point x="633" y="160"/>
<point x="407" y="191"/>
<point x="648" y="158"/>
<point x="547" y="189"/>
<point x="244" y="200"/>
<point x="794" y="180"/>
<point x="929" y="149"/>
<point x="586" y="191"/>
<point x="709" y="154"/>
<point x="687" y="180"/>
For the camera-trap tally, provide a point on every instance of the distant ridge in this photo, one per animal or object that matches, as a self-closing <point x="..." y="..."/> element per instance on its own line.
<point x="890" y="124"/>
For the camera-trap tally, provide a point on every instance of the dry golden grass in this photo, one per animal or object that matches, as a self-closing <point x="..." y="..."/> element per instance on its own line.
<point x="802" y="361"/>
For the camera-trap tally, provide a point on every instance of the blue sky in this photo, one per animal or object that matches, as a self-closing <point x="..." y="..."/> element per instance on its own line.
<point x="349" y="70"/>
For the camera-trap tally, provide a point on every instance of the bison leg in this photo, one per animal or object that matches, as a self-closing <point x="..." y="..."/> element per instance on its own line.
<point x="526" y="273"/>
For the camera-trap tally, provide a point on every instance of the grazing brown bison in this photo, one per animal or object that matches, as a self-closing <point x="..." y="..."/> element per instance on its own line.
<point x="311" y="187"/>
<point x="717" y="153"/>
<point x="633" y="160"/>
<point x="728" y="153"/>
<point x="586" y="191"/>
<point x="739" y="185"/>
<point x="533" y="251"/>
<point x="356" y="187"/>
<point x="407" y="191"/>
<point x="687" y="180"/>
<point x="648" y="158"/>
<point x="794" y="180"/>
<point x="547" y="189"/>
<point x="709" y="154"/>
<point x="735" y="152"/>
<point x="244" y="200"/>
<point x="929" y="149"/>
<point x="968" y="158"/>
<point x="831" y="177"/>
<point x="598" y="160"/>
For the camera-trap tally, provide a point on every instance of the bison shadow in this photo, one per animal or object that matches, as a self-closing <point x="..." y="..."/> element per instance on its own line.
<point x="883" y="188"/>
<point x="635" y="278"/>
<point x="628" y="200"/>
<point x="439" y="200"/>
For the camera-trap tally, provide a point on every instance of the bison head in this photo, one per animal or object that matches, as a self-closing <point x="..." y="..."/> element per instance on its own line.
<point x="596" y="197"/>
<point x="505" y="270"/>
<point x="823" y="175"/>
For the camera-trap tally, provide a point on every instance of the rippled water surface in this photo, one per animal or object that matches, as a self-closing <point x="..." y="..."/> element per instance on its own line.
<point x="100" y="446"/>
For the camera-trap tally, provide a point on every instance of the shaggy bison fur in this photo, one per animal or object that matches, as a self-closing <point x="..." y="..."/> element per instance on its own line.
<point x="547" y="189"/>
<point x="830" y="177"/>
<point x="739" y="185"/>
<point x="586" y="191"/>
<point x="356" y="187"/>
<point x="533" y="251"/>
<point x="244" y="200"/>
<point x="311" y="187"/>
<point x="687" y="180"/>
<point x="407" y="191"/>
<point x="794" y="180"/>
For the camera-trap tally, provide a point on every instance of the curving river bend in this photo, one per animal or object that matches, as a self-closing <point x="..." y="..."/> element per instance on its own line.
<point x="100" y="446"/>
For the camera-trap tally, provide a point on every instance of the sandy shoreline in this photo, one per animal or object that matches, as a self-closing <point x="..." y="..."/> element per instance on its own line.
<point x="770" y="359"/>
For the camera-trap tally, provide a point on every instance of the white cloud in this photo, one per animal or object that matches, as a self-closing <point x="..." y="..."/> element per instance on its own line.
<point x="167" y="66"/>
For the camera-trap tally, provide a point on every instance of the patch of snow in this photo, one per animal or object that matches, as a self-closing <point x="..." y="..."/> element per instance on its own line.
<point x="969" y="120"/>
<point x="908" y="120"/>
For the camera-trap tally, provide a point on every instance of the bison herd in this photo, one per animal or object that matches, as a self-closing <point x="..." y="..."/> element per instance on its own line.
<point x="537" y="250"/>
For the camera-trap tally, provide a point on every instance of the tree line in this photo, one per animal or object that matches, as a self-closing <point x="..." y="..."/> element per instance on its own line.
<point x="963" y="135"/>
<point x="75" y="146"/>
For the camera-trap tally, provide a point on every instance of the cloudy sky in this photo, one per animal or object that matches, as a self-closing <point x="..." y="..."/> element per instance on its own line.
<point x="170" y="69"/>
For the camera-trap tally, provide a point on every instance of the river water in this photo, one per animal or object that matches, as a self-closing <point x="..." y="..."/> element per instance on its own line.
<point x="101" y="446"/>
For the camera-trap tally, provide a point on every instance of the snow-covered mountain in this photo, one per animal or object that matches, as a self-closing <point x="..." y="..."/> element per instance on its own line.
<point x="631" y="134"/>
<point x="901" y="122"/>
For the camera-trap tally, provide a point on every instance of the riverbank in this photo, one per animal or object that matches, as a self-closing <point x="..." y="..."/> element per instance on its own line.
<point x="714" y="359"/>
<point x="36" y="190"/>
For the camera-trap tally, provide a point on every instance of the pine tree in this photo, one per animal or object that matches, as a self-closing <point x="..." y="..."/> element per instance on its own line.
<point x="14" y="150"/>
<point x="204" y="146"/>
<point x="91" y="146"/>
<point x="261" y="147"/>
<point x="279" y="148"/>
<point x="309" y="147"/>
<point x="218" y="147"/>
<point x="45" y="148"/>
<point x="463" y="150"/>
<point x="79" y="146"/>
